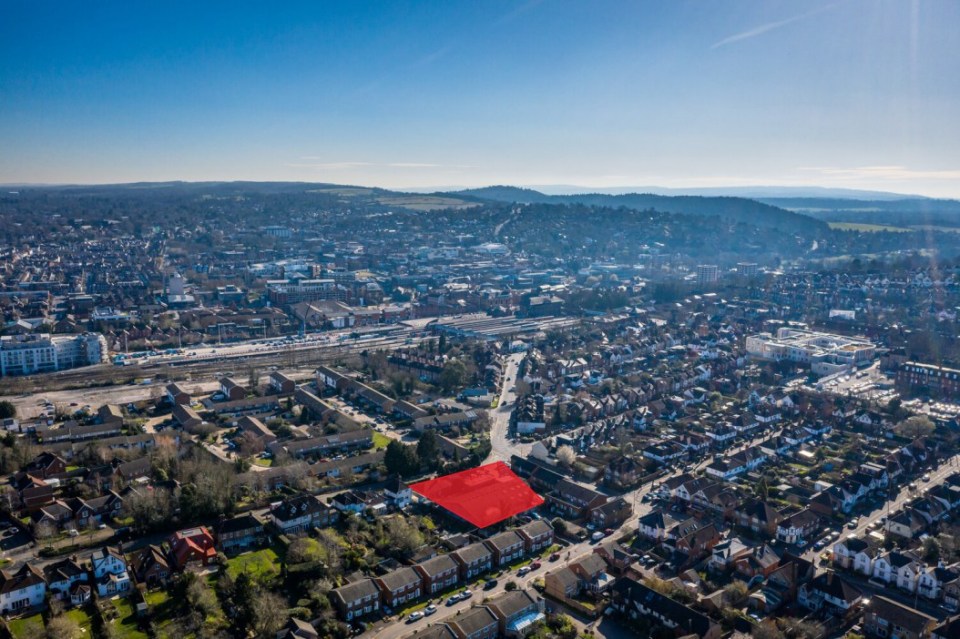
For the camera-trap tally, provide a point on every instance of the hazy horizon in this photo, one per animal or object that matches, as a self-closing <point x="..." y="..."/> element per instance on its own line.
<point x="683" y="95"/>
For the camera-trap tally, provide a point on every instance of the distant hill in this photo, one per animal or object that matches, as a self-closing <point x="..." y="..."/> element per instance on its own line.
<point x="735" y="209"/>
<point x="910" y="212"/>
<point x="761" y="193"/>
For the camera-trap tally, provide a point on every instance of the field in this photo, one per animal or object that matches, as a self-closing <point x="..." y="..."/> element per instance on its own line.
<point x="867" y="228"/>
<point x="426" y="202"/>
<point x="125" y="625"/>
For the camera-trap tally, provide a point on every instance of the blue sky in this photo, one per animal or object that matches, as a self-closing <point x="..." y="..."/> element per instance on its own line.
<point x="855" y="93"/>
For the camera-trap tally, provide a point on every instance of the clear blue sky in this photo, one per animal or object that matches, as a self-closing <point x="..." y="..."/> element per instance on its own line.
<point x="855" y="93"/>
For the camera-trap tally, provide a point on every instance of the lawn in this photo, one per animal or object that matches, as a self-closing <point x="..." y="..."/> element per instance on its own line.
<point x="380" y="441"/>
<point x="125" y="625"/>
<point x="82" y="619"/>
<point x="266" y="463"/>
<point x="259" y="564"/>
<point x="27" y="627"/>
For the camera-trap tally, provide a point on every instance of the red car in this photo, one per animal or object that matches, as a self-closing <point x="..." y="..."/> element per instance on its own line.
<point x="555" y="556"/>
<point x="608" y="532"/>
<point x="535" y="565"/>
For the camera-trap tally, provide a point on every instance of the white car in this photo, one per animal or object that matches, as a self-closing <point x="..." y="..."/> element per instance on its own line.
<point x="523" y="570"/>
<point x="414" y="616"/>
<point x="429" y="610"/>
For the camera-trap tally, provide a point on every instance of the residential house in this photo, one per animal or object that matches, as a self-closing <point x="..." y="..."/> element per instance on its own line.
<point x="591" y="571"/>
<point x="562" y="584"/>
<point x="475" y="623"/>
<point x="474" y="559"/>
<point x="636" y="600"/>
<point x="517" y="612"/>
<point x="783" y="584"/>
<point x="46" y="465"/>
<point x="573" y="500"/>
<point x="622" y="472"/>
<point x="537" y="535"/>
<point x="192" y="547"/>
<point x="298" y="629"/>
<point x="252" y="426"/>
<point x="231" y="390"/>
<point x="758" y="516"/>
<point x="301" y="513"/>
<point x="356" y="600"/>
<point x="21" y="590"/>
<point x="611" y="514"/>
<point x="438" y="574"/>
<point x="64" y="580"/>
<point x="239" y="533"/>
<point x="798" y="527"/>
<point x="397" y="492"/>
<point x="829" y="592"/>
<point x="889" y="619"/>
<point x="177" y="396"/>
<point x="506" y="547"/>
<point x="280" y="384"/>
<point x="109" y="569"/>
<point x="400" y="586"/>
<point x="150" y="566"/>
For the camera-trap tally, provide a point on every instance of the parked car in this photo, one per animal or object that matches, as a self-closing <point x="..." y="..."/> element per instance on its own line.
<point x="535" y="565"/>
<point x="453" y="599"/>
<point x="490" y="584"/>
<point x="466" y="594"/>
<point x="415" y="616"/>
<point x="429" y="610"/>
<point x="555" y="556"/>
<point x="523" y="570"/>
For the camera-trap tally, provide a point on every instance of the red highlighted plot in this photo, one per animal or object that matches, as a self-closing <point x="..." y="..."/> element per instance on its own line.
<point x="482" y="496"/>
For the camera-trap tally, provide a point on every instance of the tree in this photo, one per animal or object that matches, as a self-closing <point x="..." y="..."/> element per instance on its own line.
<point x="916" y="426"/>
<point x="7" y="409"/>
<point x="510" y="586"/>
<point x="931" y="550"/>
<point x="766" y="630"/>
<point x="269" y="613"/>
<point x="736" y="593"/>
<point x="453" y="375"/>
<point x="566" y="455"/>
<point x="404" y="536"/>
<point x="401" y="459"/>
<point x="428" y="450"/>
<point x="762" y="490"/>
<point x="62" y="627"/>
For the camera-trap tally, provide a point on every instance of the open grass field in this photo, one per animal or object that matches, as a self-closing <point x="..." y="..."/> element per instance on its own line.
<point x="426" y="202"/>
<point x="867" y="228"/>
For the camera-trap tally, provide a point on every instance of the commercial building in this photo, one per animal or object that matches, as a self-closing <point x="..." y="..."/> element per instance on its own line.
<point x="825" y="353"/>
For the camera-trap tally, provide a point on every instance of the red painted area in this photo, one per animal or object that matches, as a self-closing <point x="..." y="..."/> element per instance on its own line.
<point x="483" y="496"/>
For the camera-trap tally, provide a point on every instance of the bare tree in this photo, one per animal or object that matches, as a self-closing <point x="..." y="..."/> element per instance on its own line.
<point x="566" y="455"/>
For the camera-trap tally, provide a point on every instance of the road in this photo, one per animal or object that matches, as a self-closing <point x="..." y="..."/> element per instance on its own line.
<point x="905" y="494"/>
<point x="501" y="446"/>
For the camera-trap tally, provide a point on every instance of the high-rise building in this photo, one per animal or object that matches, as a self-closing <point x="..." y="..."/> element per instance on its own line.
<point x="708" y="273"/>
<point x="747" y="269"/>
